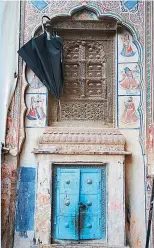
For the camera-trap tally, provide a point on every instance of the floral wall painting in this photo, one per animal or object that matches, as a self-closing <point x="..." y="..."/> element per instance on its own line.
<point x="128" y="112"/>
<point x="127" y="51"/>
<point x="128" y="79"/>
<point x="36" y="110"/>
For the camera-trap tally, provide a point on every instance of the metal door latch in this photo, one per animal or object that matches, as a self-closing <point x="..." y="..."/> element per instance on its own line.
<point x="81" y="205"/>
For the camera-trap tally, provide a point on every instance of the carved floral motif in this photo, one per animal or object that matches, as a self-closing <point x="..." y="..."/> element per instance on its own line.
<point x="88" y="79"/>
<point x="81" y="141"/>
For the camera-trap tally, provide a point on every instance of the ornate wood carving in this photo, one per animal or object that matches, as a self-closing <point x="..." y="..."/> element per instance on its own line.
<point x="84" y="24"/>
<point x="88" y="93"/>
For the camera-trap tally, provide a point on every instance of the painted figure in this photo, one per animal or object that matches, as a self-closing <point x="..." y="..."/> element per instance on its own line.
<point x="130" y="115"/>
<point x="40" y="110"/>
<point x="35" y="82"/>
<point x="129" y="82"/>
<point x="36" y="111"/>
<point x="127" y="50"/>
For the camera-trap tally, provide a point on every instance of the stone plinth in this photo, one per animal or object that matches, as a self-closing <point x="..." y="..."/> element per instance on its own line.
<point x="81" y="141"/>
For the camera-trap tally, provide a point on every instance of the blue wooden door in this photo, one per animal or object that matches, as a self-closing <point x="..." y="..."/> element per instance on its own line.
<point x="78" y="204"/>
<point x="67" y="209"/>
<point x="90" y="199"/>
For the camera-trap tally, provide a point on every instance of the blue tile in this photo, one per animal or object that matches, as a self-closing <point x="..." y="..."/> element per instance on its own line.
<point x="40" y="5"/>
<point x="130" y="4"/>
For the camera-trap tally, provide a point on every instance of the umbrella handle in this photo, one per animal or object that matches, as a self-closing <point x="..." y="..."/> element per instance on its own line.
<point x="43" y="23"/>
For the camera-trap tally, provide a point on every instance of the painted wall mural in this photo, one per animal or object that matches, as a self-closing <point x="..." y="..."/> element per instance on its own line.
<point x="128" y="112"/>
<point x="129" y="82"/>
<point x="128" y="11"/>
<point x="37" y="109"/>
<point x="26" y="201"/>
<point x="129" y="79"/>
<point x="127" y="51"/>
<point x="33" y="81"/>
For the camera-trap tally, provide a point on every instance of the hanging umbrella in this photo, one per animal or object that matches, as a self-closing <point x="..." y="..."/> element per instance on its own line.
<point x="43" y="55"/>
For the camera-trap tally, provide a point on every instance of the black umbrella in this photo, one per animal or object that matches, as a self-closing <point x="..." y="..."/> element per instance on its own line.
<point x="43" y="55"/>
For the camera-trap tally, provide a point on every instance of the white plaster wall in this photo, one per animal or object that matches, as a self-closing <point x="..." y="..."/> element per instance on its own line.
<point x="28" y="159"/>
<point x="135" y="190"/>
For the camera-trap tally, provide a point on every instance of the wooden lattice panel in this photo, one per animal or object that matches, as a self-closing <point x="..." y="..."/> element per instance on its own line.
<point x="88" y="93"/>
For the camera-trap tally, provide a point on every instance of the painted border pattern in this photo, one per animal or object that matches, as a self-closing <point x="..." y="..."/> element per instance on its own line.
<point x="148" y="63"/>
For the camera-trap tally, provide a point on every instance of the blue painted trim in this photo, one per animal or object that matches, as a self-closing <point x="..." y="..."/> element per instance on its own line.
<point x="104" y="201"/>
<point x="128" y="63"/>
<point x="34" y="127"/>
<point x="128" y="128"/>
<point x="129" y="95"/>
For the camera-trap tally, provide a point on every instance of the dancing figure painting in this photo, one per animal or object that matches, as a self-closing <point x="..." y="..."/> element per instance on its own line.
<point x="130" y="114"/>
<point x="129" y="79"/>
<point x="36" y="115"/>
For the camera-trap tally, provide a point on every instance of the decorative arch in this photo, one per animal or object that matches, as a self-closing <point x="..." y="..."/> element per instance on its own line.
<point x="119" y="24"/>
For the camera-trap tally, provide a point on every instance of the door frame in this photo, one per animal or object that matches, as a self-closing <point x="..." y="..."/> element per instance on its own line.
<point x="104" y="196"/>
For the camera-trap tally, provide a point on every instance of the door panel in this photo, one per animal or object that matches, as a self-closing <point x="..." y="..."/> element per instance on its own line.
<point x="90" y="227"/>
<point x="90" y="181"/>
<point x="69" y="180"/>
<point x="68" y="227"/>
<point x="67" y="203"/>
<point x="90" y="204"/>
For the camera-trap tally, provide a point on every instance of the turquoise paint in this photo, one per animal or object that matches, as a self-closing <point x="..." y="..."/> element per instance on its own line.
<point x="40" y="5"/>
<point x="26" y="201"/>
<point x="79" y="204"/>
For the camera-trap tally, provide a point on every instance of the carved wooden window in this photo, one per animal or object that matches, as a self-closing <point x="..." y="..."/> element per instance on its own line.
<point x="88" y="79"/>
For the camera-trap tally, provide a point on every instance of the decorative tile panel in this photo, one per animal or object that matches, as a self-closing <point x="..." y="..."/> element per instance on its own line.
<point x="129" y="6"/>
<point x="40" y="5"/>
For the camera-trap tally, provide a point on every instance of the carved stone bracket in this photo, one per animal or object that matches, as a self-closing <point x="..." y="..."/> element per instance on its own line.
<point x="81" y="141"/>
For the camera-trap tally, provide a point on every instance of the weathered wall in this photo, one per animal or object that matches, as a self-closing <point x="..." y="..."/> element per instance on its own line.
<point x="132" y="128"/>
<point x="135" y="167"/>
